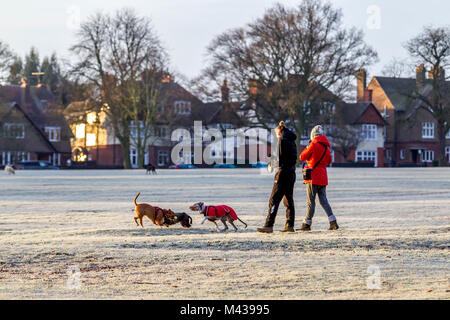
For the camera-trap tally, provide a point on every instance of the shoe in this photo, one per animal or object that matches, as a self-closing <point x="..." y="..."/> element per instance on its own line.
<point x="288" y="229"/>
<point x="333" y="225"/>
<point x="265" y="229"/>
<point x="304" y="227"/>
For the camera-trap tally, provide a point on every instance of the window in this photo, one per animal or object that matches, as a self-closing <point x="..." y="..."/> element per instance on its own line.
<point x="133" y="157"/>
<point x="447" y="136"/>
<point x="14" y="130"/>
<point x="182" y="107"/>
<point x="161" y="132"/>
<point x="447" y="153"/>
<point x="427" y="156"/>
<point x="163" y="158"/>
<point x="90" y="140"/>
<point x="369" y="132"/>
<point x="402" y="154"/>
<point x="80" y="131"/>
<point x="388" y="154"/>
<point x="53" y="133"/>
<point x="366" y="156"/>
<point x="428" y="130"/>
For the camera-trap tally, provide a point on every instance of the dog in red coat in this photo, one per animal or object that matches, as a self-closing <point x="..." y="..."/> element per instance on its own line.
<point x="213" y="213"/>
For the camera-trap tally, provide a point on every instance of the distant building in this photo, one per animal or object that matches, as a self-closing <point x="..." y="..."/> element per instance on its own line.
<point x="32" y="126"/>
<point x="411" y="133"/>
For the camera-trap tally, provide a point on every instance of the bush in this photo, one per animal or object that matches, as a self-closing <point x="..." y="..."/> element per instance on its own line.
<point x="435" y="163"/>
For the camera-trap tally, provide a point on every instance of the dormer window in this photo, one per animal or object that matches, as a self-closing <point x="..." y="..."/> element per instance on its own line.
<point x="182" y="107"/>
<point x="53" y="133"/>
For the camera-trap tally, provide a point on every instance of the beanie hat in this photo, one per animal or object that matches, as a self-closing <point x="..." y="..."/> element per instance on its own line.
<point x="316" y="132"/>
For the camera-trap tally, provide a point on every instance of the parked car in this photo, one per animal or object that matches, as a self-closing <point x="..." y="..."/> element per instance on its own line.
<point x="259" y="164"/>
<point x="35" y="165"/>
<point x="224" y="166"/>
<point x="182" y="166"/>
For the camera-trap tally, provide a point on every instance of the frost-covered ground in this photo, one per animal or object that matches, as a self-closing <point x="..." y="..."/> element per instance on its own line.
<point x="396" y="221"/>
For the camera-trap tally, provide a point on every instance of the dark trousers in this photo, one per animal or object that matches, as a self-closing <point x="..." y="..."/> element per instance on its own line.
<point x="312" y="191"/>
<point x="283" y="188"/>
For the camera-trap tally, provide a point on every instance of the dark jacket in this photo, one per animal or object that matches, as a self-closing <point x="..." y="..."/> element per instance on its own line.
<point x="288" y="149"/>
<point x="312" y="154"/>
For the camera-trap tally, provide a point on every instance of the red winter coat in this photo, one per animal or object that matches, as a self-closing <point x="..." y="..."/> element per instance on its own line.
<point x="219" y="211"/>
<point x="312" y="155"/>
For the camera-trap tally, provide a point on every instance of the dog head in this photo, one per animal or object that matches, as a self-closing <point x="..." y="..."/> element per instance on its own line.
<point x="197" y="206"/>
<point x="185" y="219"/>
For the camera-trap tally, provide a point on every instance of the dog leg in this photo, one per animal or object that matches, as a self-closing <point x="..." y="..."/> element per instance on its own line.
<point x="204" y="221"/>
<point x="135" y="220"/>
<point x="225" y="224"/>
<point x="217" y="227"/>
<point x="231" y="222"/>
<point x="140" y="220"/>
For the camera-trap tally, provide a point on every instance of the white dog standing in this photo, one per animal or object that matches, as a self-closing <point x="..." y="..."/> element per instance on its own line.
<point x="9" y="170"/>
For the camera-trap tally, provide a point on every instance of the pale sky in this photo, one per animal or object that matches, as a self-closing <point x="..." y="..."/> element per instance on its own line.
<point x="187" y="26"/>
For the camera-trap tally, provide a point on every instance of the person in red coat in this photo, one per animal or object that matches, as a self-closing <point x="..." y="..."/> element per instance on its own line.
<point x="317" y="156"/>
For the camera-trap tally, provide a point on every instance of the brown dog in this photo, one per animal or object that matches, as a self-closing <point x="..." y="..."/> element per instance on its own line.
<point x="156" y="215"/>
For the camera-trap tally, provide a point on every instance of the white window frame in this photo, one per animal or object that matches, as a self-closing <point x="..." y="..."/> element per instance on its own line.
<point x="182" y="107"/>
<point x="402" y="154"/>
<point x="133" y="157"/>
<point x="447" y="136"/>
<point x="50" y="131"/>
<point x="427" y="155"/>
<point x="14" y="130"/>
<point x="369" y="132"/>
<point x="447" y="153"/>
<point x="428" y="130"/>
<point x="365" y="155"/>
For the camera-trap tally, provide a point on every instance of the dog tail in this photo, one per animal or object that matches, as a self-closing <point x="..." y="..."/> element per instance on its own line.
<point x="243" y="223"/>
<point x="135" y="198"/>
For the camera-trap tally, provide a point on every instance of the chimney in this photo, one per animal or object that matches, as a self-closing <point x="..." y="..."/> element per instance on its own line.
<point x="253" y="88"/>
<point x="225" y="92"/>
<point x="368" y="95"/>
<point x="420" y="76"/>
<point x="23" y="82"/>
<point x="440" y="74"/>
<point x="361" y="82"/>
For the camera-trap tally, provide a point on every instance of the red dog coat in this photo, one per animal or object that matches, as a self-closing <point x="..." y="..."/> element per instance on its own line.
<point x="219" y="212"/>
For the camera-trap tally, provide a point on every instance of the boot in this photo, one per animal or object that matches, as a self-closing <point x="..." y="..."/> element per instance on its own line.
<point x="304" y="227"/>
<point x="333" y="225"/>
<point x="265" y="229"/>
<point x="287" y="228"/>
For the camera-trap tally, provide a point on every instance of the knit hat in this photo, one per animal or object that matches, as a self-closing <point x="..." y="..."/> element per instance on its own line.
<point x="316" y="132"/>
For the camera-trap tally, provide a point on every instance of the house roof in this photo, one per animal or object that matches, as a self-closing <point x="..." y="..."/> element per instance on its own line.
<point x="39" y="105"/>
<point x="361" y="112"/>
<point x="400" y="90"/>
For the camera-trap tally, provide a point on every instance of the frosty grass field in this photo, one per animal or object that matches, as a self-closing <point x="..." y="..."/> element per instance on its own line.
<point x="396" y="221"/>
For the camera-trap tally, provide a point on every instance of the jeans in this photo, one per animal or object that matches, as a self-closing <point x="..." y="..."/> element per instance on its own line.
<point x="312" y="191"/>
<point x="283" y="188"/>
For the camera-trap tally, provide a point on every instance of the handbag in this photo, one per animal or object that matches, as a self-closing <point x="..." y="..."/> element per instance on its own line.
<point x="308" y="171"/>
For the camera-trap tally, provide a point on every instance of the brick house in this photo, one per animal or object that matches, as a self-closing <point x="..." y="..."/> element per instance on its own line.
<point x="411" y="133"/>
<point x="95" y="139"/>
<point x="32" y="126"/>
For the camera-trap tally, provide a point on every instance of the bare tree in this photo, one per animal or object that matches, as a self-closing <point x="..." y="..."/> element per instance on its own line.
<point x="432" y="46"/>
<point x="397" y="68"/>
<point x="290" y="57"/>
<point x="6" y="60"/>
<point x="346" y="137"/>
<point x="113" y="53"/>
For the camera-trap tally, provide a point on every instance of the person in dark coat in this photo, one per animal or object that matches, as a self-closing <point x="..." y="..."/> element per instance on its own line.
<point x="283" y="187"/>
<point x="318" y="156"/>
